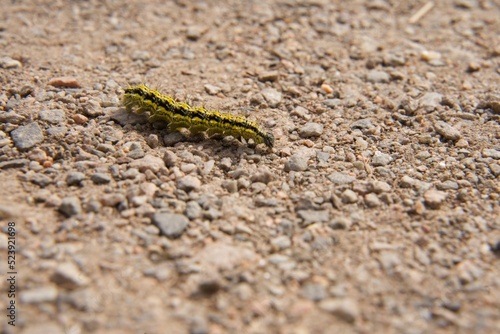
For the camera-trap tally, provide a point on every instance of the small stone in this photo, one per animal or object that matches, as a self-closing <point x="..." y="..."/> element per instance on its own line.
<point x="38" y="295"/>
<point x="153" y="141"/>
<point x="313" y="291"/>
<point x="67" y="82"/>
<point x="381" y="159"/>
<point x="430" y="100"/>
<point x="170" y="224"/>
<point x="341" y="178"/>
<point x="230" y="185"/>
<point x="340" y="223"/>
<point x="447" y="185"/>
<point x="212" y="90"/>
<point x="9" y="63"/>
<point x="67" y="275"/>
<point x="430" y="55"/>
<point x="381" y="187"/>
<point x="262" y="175"/>
<point x="225" y="164"/>
<point x="349" y="196"/>
<point x="27" y="136"/>
<point x="11" y="117"/>
<point x="80" y="119"/>
<point x="434" y="198"/>
<point x="311" y="130"/>
<point x="169" y="158"/>
<point x="491" y="153"/>
<point x="297" y="163"/>
<point x="195" y="32"/>
<point x="362" y="124"/>
<point x="112" y="200"/>
<point x="54" y="116"/>
<point x="345" y="309"/>
<point x="193" y="210"/>
<point x="375" y="76"/>
<point x="140" y="55"/>
<point x="75" y="178"/>
<point x="41" y="180"/>
<point x="100" y="178"/>
<point x="372" y="201"/>
<point x="271" y="76"/>
<point x="15" y="163"/>
<point x="313" y="216"/>
<point x="70" y="206"/>
<point x="189" y="183"/>
<point x="148" y="162"/>
<point x="495" y="169"/>
<point x="93" y="108"/>
<point x="447" y="131"/>
<point x="280" y="243"/>
<point x="272" y="97"/>
<point x="327" y="88"/>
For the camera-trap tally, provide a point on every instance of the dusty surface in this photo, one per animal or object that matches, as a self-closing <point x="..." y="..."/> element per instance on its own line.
<point x="377" y="211"/>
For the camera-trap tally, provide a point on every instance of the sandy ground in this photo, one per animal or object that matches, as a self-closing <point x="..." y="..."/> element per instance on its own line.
<point x="376" y="211"/>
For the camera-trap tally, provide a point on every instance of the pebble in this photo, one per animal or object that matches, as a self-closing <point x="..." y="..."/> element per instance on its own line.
<point x="491" y="153"/>
<point x="349" y="196"/>
<point x="362" y="124"/>
<point x="212" y="90"/>
<point x="41" y="180"/>
<point x="92" y="108"/>
<point x="27" y="136"/>
<point x="80" y="119"/>
<point x="270" y="76"/>
<point x="340" y="223"/>
<point x="230" y="185"/>
<point x="140" y="55"/>
<point x="314" y="291"/>
<point x="272" y="97"/>
<point x="280" y="243"/>
<point x="54" y="116"/>
<point x="447" y="131"/>
<point x="70" y="206"/>
<point x="149" y="162"/>
<point x="297" y="163"/>
<point x="67" y="275"/>
<point x="47" y="293"/>
<point x="15" y="163"/>
<point x="313" y="216"/>
<point x="112" y="200"/>
<point x="447" y="185"/>
<point x="375" y="76"/>
<point x="345" y="309"/>
<point x="170" y="158"/>
<point x="301" y="112"/>
<point x="189" y="183"/>
<point x="170" y="224"/>
<point x="225" y="164"/>
<point x="100" y="178"/>
<point x="9" y="63"/>
<point x="429" y="101"/>
<point x="262" y="175"/>
<point x="311" y="130"/>
<point x="341" y="178"/>
<point x="381" y="159"/>
<point x="434" y="198"/>
<point x="372" y="201"/>
<point x="193" y="210"/>
<point x="381" y="187"/>
<point x="67" y="82"/>
<point x="11" y="117"/>
<point x="195" y="32"/>
<point x="74" y="178"/>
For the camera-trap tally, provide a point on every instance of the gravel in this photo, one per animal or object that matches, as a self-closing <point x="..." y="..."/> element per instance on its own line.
<point x="170" y="224"/>
<point x="27" y="136"/>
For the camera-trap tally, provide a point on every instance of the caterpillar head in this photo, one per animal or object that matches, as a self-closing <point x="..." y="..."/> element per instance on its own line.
<point x="269" y="139"/>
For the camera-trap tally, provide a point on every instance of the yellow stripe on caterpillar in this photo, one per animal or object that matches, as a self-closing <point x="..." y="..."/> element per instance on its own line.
<point x="164" y="108"/>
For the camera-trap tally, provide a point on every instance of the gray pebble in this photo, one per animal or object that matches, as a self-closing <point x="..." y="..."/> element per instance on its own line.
<point x="262" y="175"/>
<point x="372" y="201"/>
<point x="41" y="180"/>
<point x="92" y="108"/>
<point x="54" y="116"/>
<point x="447" y="185"/>
<point x="340" y="223"/>
<point x="193" y="210"/>
<point x="225" y="164"/>
<point x="297" y="163"/>
<point x="381" y="187"/>
<point x="332" y="103"/>
<point x="272" y="97"/>
<point x="269" y="76"/>
<point x="313" y="216"/>
<point x="447" y="131"/>
<point x="57" y="131"/>
<point x="70" y="206"/>
<point x="93" y="206"/>
<point x="11" y="117"/>
<point x="230" y="185"/>
<point x="313" y="291"/>
<point x="112" y="200"/>
<point x="136" y="153"/>
<point x="189" y="183"/>
<point x="349" y="196"/>
<point x="341" y="178"/>
<point x="362" y="124"/>
<point x="375" y="76"/>
<point x="170" y="224"/>
<point x="74" y="178"/>
<point x="311" y="130"/>
<point x="491" y="153"/>
<point x="106" y="148"/>
<point x="131" y="173"/>
<point x="100" y="178"/>
<point x="169" y="158"/>
<point x="15" y="163"/>
<point x="27" y="136"/>
<point x="280" y="243"/>
<point x="381" y="159"/>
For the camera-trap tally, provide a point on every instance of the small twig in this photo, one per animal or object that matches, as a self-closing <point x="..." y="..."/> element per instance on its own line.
<point x="421" y="12"/>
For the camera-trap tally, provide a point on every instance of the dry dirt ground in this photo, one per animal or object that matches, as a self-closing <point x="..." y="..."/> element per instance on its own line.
<point x="376" y="211"/>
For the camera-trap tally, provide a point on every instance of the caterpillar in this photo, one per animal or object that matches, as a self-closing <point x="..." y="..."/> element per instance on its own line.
<point x="141" y="98"/>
